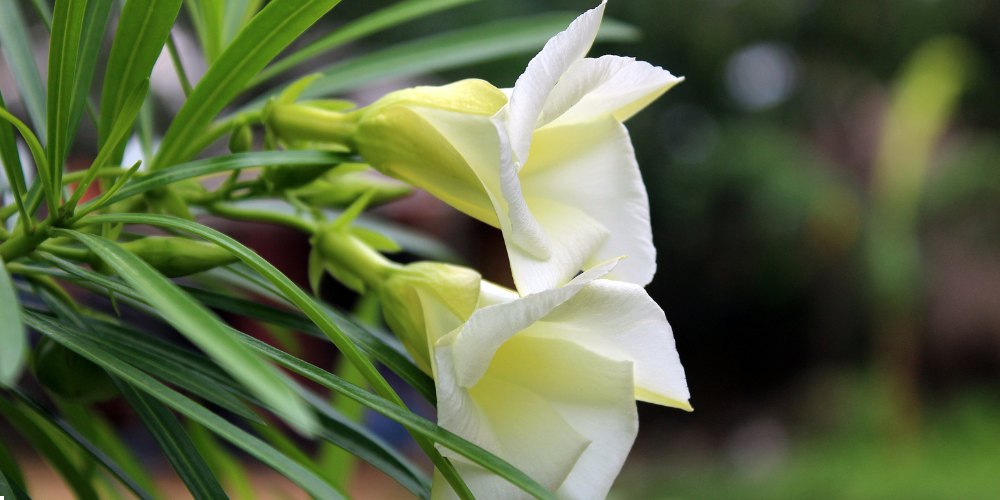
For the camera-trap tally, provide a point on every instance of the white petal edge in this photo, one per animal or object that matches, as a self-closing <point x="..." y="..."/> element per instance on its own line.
<point x="478" y="340"/>
<point x="591" y="168"/>
<point x="540" y="396"/>
<point x="543" y="72"/>
<point x="621" y="321"/>
<point x="608" y="85"/>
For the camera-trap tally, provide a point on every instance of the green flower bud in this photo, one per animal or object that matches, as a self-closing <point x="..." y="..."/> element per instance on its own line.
<point x="410" y="134"/>
<point x="70" y="375"/>
<point x="241" y="140"/>
<point x="345" y="183"/>
<point x="422" y="298"/>
<point x="174" y="256"/>
<point x="278" y="179"/>
<point x="349" y="259"/>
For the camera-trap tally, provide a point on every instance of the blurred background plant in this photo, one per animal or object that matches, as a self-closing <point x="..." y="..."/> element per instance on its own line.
<point x="825" y="189"/>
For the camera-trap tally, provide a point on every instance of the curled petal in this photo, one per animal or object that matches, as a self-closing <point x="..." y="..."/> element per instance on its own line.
<point x="605" y="86"/>
<point x="533" y="87"/>
<point x="585" y="189"/>
<point x="621" y="321"/>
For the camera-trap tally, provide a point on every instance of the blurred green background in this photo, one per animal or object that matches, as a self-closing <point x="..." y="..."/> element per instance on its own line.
<point x="825" y="192"/>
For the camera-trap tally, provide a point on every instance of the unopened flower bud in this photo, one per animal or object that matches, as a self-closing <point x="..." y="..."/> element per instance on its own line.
<point x="426" y="297"/>
<point x="174" y="256"/>
<point x="241" y="140"/>
<point x="345" y="183"/>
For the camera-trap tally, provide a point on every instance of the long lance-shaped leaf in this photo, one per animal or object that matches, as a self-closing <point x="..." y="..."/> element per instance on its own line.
<point x="260" y="450"/>
<point x="177" y="365"/>
<point x="13" y="337"/>
<point x="237" y="13"/>
<point x="306" y="304"/>
<point x="211" y="31"/>
<point x="49" y="448"/>
<point x="11" y="159"/>
<point x="379" y="20"/>
<point x="267" y="34"/>
<point x="104" y="436"/>
<point x="95" y="452"/>
<point x="209" y="166"/>
<point x="383" y="350"/>
<point x="119" y="132"/>
<point x="175" y="443"/>
<point x="46" y="183"/>
<point x="13" y="477"/>
<point x="291" y="291"/>
<point x="449" y="50"/>
<point x="95" y="21"/>
<point x="143" y="28"/>
<point x="407" y="419"/>
<point x="227" y="467"/>
<point x="203" y="328"/>
<point x="64" y="48"/>
<point x="16" y="47"/>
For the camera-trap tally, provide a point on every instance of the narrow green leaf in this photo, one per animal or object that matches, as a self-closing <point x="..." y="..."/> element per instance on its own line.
<point x="159" y="359"/>
<point x="306" y="304"/>
<point x="123" y="121"/>
<point x="456" y="48"/>
<point x="49" y="448"/>
<point x="175" y="443"/>
<point x="44" y="183"/>
<point x="381" y="347"/>
<point x="237" y="13"/>
<point x="354" y="440"/>
<point x="10" y="489"/>
<point x="208" y="166"/>
<point x="98" y="431"/>
<point x="379" y="20"/>
<point x="413" y="422"/>
<point x="93" y="351"/>
<point x="11" y="160"/>
<point x="225" y="466"/>
<point x="143" y="27"/>
<point x="290" y="290"/>
<point x="203" y="328"/>
<point x="177" y="366"/>
<point x="95" y="22"/>
<point x="13" y="477"/>
<point x="44" y="11"/>
<point x="64" y="50"/>
<point x="211" y="16"/>
<point x="68" y="431"/>
<point x="16" y="47"/>
<point x="13" y="337"/>
<point x="264" y="37"/>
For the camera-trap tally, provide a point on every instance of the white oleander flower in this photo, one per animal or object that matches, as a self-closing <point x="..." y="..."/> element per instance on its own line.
<point x="552" y="166"/>
<point x="546" y="381"/>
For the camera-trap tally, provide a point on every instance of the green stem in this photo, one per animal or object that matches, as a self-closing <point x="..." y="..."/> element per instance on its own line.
<point x="72" y="177"/>
<point x="217" y="130"/>
<point x="257" y="215"/>
<point x="23" y="244"/>
<point x="308" y="123"/>
<point x="347" y="252"/>
<point x="77" y="254"/>
<point x="175" y="58"/>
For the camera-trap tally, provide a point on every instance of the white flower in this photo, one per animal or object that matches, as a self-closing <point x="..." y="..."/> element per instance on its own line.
<point x="549" y="381"/>
<point x="553" y="168"/>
